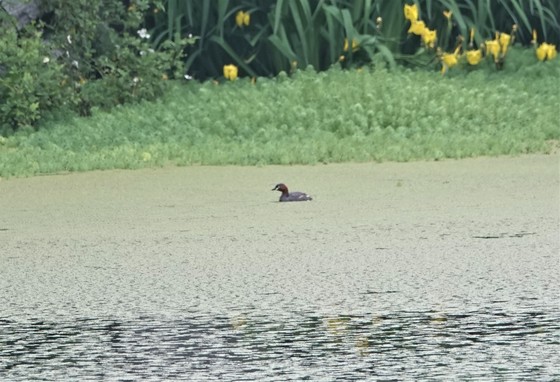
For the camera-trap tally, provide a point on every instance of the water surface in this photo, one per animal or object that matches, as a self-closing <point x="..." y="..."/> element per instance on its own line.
<point x="419" y="271"/>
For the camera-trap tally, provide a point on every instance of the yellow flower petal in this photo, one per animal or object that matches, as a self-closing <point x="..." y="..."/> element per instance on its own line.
<point x="546" y="51"/>
<point x="411" y="12"/>
<point x="239" y="18"/>
<point x="504" y="42"/>
<point x="493" y="48"/>
<point x="474" y="56"/>
<point x="242" y="18"/>
<point x="448" y="14"/>
<point x="449" y="59"/>
<point x="355" y="45"/>
<point x="542" y="52"/>
<point x="429" y="37"/>
<point x="230" y="72"/>
<point x="417" y="27"/>
<point x="552" y="51"/>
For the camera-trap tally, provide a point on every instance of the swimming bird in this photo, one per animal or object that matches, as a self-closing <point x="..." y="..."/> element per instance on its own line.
<point x="290" y="196"/>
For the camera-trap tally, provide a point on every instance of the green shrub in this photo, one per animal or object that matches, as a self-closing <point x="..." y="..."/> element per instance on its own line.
<point x="107" y="53"/>
<point x="132" y="72"/>
<point x="31" y="82"/>
<point x="84" y="55"/>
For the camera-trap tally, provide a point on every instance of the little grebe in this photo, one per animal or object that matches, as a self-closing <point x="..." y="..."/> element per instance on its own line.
<point x="290" y="196"/>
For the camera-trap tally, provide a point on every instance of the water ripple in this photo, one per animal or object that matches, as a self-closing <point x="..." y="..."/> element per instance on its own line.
<point x="253" y="346"/>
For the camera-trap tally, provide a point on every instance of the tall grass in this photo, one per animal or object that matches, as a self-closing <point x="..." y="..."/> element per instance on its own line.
<point x="333" y="116"/>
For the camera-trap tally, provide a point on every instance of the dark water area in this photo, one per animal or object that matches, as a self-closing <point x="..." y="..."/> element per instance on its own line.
<point x="422" y="271"/>
<point x="404" y="345"/>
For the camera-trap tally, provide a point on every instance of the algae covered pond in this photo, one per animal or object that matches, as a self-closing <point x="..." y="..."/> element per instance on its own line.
<point x="395" y="271"/>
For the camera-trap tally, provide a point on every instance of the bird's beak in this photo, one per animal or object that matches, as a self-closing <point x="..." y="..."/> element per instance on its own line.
<point x="274" y="189"/>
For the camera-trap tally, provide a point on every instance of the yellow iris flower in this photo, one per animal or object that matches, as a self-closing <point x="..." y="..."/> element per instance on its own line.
<point x="552" y="51"/>
<point x="230" y="72"/>
<point x="504" y="42"/>
<point x="242" y="19"/>
<point x="546" y="51"/>
<point x="355" y="45"/>
<point x="493" y="48"/>
<point x="411" y="12"/>
<point x="448" y="15"/>
<point x="429" y="37"/>
<point x="449" y="60"/>
<point x="417" y="27"/>
<point x="474" y="56"/>
<point x="542" y="52"/>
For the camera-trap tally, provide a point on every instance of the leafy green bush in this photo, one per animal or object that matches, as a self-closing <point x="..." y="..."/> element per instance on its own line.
<point x="107" y="53"/>
<point x="31" y="83"/>
<point x="132" y="72"/>
<point x="84" y="55"/>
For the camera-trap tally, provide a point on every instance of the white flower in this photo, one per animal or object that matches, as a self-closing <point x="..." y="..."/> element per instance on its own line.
<point x="69" y="39"/>
<point x="187" y="77"/>
<point x="190" y="35"/>
<point x="143" y="33"/>
<point x="142" y="53"/>
<point x="135" y="80"/>
<point x="75" y="64"/>
<point x="46" y="60"/>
